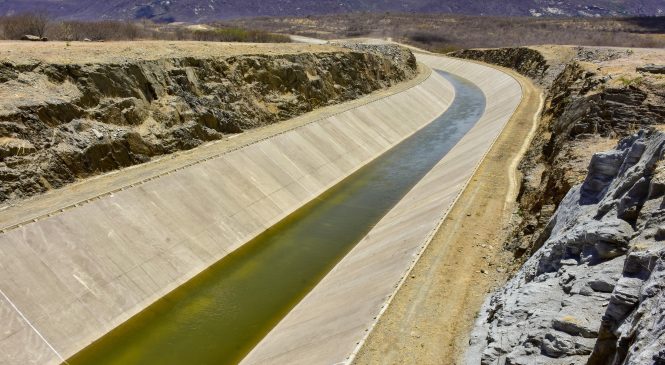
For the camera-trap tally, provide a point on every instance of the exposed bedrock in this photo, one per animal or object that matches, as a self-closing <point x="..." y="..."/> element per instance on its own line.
<point x="595" y="290"/>
<point x="591" y="101"/>
<point x="61" y="122"/>
<point x="524" y="60"/>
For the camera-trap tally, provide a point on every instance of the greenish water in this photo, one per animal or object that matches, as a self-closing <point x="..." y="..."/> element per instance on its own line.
<point x="221" y="314"/>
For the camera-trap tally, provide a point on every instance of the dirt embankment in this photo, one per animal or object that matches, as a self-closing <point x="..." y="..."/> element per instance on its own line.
<point x="591" y="288"/>
<point x="71" y="111"/>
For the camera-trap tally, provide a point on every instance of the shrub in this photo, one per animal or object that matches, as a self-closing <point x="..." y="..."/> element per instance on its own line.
<point x="238" y="35"/>
<point x="16" y="26"/>
<point x="38" y="24"/>
<point x="104" y="30"/>
<point x="446" y="31"/>
<point x="426" y="37"/>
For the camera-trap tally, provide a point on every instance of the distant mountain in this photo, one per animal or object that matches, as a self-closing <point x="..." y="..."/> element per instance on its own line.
<point x="207" y="10"/>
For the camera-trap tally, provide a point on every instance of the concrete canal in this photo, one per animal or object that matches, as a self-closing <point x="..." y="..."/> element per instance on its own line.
<point x="221" y="314"/>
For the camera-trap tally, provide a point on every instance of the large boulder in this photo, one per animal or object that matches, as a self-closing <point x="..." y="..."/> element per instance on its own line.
<point x="33" y="38"/>
<point x="654" y="69"/>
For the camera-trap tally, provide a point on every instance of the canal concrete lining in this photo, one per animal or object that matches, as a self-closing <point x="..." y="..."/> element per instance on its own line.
<point x="330" y="324"/>
<point x="69" y="278"/>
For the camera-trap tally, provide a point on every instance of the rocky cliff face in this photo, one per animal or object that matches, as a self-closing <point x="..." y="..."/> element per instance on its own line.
<point x="526" y="61"/>
<point x="594" y="97"/>
<point x="587" y="223"/>
<point x="62" y="122"/>
<point x="594" y="291"/>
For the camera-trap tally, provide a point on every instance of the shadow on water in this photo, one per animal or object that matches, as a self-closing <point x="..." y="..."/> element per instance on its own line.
<point x="222" y="313"/>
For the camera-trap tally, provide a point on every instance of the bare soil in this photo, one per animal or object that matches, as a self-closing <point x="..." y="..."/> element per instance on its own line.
<point x="21" y="52"/>
<point x="431" y="316"/>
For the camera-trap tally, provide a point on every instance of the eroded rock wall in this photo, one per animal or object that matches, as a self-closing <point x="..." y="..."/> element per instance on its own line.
<point x="590" y="103"/>
<point x="594" y="291"/>
<point x="526" y="61"/>
<point x="62" y="122"/>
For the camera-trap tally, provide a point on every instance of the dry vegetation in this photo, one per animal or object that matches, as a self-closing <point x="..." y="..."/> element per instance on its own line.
<point x="41" y="25"/>
<point x="437" y="32"/>
<point x="223" y="33"/>
<point x="444" y="32"/>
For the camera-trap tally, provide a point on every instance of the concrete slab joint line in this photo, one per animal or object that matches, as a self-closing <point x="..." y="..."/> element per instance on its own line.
<point x="337" y="337"/>
<point x="81" y="272"/>
<point x="32" y="327"/>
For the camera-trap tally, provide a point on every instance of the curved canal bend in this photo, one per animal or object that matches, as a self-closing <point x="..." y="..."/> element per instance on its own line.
<point x="221" y="314"/>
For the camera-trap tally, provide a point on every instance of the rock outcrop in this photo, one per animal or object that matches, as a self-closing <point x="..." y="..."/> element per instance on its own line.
<point x="595" y="290"/>
<point x="588" y="225"/>
<point x="592" y="100"/>
<point x="33" y="38"/>
<point x="651" y="68"/>
<point x="526" y="61"/>
<point x="62" y="122"/>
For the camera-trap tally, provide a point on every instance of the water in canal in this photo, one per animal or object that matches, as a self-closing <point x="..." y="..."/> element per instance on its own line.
<point x="220" y="315"/>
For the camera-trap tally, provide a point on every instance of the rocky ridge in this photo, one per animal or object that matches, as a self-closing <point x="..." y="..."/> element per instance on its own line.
<point x="60" y="122"/>
<point x="589" y="224"/>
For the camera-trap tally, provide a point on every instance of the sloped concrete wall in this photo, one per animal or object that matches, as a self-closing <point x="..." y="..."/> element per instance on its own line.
<point x="68" y="279"/>
<point x="326" y="327"/>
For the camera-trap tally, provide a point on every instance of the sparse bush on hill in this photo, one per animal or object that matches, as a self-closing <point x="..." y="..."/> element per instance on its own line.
<point x="357" y="30"/>
<point x="426" y="37"/>
<point x="16" y="26"/>
<point x="238" y="35"/>
<point x="449" y="32"/>
<point x="39" y="24"/>
<point x="104" y="30"/>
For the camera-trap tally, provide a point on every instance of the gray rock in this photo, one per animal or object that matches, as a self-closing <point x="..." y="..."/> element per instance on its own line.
<point x="29" y="37"/>
<point x="558" y="344"/>
<point x="603" y="283"/>
<point x="595" y="290"/>
<point x="569" y="262"/>
<point x="575" y="326"/>
<point x="603" y="168"/>
<point x="625" y="296"/>
<point x="97" y="133"/>
<point x="524" y="60"/>
<point x="654" y="69"/>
